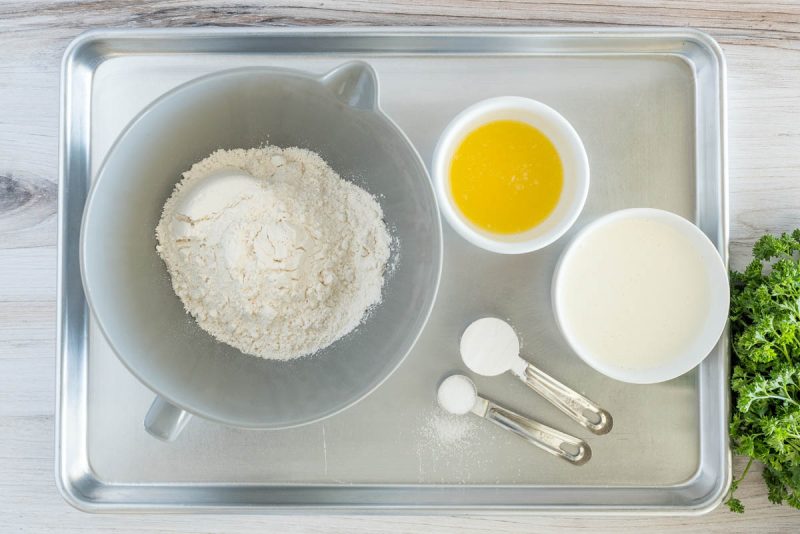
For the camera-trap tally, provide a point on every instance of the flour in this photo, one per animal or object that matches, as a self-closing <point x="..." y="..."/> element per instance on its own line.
<point x="280" y="258"/>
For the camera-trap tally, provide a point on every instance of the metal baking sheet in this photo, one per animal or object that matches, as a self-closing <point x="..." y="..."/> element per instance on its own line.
<point x="650" y="107"/>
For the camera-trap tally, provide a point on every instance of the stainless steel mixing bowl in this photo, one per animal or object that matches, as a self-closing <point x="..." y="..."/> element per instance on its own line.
<point x="128" y="288"/>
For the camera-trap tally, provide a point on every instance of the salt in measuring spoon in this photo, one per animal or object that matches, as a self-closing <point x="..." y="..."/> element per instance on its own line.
<point x="457" y="394"/>
<point x="490" y="347"/>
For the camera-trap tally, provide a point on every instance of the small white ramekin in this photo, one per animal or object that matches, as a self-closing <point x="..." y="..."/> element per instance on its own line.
<point x="573" y="159"/>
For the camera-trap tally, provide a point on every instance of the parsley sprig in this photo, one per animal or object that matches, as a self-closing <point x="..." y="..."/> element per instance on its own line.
<point x="765" y="325"/>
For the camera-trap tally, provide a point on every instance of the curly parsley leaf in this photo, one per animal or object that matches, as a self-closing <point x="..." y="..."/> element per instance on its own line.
<point x="765" y="380"/>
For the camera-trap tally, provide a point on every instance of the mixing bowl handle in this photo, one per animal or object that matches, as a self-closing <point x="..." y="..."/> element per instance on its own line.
<point x="164" y="420"/>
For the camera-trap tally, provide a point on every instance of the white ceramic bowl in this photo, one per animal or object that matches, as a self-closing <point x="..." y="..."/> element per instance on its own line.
<point x="706" y="336"/>
<point x="573" y="159"/>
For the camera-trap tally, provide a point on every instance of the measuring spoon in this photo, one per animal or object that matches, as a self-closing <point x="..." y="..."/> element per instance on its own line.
<point x="457" y="394"/>
<point x="490" y="347"/>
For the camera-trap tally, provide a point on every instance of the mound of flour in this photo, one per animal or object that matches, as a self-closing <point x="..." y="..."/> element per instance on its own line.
<point x="280" y="259"/>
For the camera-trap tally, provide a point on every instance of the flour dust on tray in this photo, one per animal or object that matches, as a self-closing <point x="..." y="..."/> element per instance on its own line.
<point x="271" y="251"/>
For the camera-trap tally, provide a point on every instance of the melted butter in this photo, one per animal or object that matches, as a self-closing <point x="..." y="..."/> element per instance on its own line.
<point x="506" y="177"/>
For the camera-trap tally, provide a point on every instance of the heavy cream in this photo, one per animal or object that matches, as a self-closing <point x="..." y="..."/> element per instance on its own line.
<point x="634" y="293"/>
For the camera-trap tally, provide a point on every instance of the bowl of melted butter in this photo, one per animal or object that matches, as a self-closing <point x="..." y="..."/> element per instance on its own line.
<point x="511" y="174"/>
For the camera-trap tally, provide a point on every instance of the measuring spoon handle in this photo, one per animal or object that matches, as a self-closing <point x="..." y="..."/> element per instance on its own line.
<point x="570" y="448"/>
<point x="567" y="400"/>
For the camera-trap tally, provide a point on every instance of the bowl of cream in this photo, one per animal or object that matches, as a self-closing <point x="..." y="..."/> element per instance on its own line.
<point x="641" y="295"/>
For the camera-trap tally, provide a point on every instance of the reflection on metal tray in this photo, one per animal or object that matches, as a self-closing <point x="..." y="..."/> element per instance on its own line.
<point x="649" y="106"/>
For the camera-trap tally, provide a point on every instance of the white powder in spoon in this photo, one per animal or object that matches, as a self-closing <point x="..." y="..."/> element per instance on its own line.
<point x="457" y="394"/>
<point x="279" y="259"/>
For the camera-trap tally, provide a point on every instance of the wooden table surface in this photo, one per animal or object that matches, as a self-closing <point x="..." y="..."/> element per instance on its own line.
<point x="761" y="40"/>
